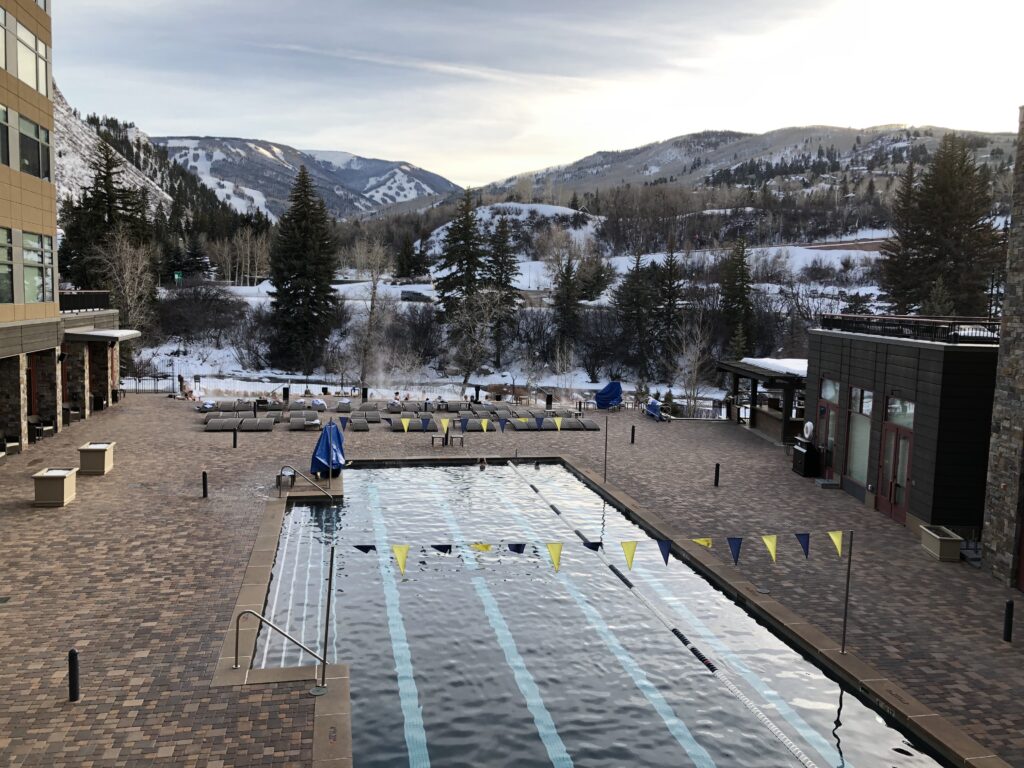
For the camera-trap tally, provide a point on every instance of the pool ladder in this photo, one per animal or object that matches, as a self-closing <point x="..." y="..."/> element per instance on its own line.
<point x="307" y="478"/>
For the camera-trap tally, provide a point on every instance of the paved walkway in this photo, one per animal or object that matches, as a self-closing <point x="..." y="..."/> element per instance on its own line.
<point x="140" y="574"/>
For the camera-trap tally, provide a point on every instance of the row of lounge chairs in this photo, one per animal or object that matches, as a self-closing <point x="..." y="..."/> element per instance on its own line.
<point x="242" y="425"/>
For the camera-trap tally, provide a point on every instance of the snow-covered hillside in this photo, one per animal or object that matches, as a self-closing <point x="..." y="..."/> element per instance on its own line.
<point x="186" y="152"/>
<point x="75" y="141"/>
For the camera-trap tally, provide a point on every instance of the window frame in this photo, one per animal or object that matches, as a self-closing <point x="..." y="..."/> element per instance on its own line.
<point x="42" y="263"/>
<point x="7" y="260"/>
<point x="41" y="136"/>
<point x="29" y="44"/>
<point x="859" y="412"/>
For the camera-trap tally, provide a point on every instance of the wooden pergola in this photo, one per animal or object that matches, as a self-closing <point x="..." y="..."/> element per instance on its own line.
<point x="788" y="383"/>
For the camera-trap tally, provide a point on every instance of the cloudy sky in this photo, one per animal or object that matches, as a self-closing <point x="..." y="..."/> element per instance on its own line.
<point x="479" y="90"/>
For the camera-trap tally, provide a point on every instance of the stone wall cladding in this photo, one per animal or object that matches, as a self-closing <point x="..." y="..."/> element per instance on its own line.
<point x="14" y="398"/>
<point x="76" y="369"/>
<point x="49" y="389"/>
<point x="1004" y="500"/>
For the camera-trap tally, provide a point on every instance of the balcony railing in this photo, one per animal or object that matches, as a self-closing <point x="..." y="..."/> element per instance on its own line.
<point x="945" y="330"/>
<point x="84" y="301"/>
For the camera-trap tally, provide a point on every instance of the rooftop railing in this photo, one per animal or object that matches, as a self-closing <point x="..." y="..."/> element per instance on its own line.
<point x="84" y="301"/>
<point x="945" y="330"/>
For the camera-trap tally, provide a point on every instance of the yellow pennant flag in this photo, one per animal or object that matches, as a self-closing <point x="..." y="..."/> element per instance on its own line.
<point x="522" y="419"/>
<point x="629" y="549"/>
<point x="405" y="424"/>
<point x="702" y="542"/>
<point x="771" y="543"/>
<point x="837" y="539"/>
<point x="558" y="423"/>
<point x="481" y="547"/>
<point x="401" y="553"/>
<point x="483" y="424"/>
<point x="555" y="550"/>
<point x="444" y="425"/>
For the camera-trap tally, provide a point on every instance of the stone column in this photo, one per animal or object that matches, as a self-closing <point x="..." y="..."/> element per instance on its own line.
<point x="115" y="366"/>
<point x="1004" y="500"/>
<point x="14" y="398"/>
<point x="47" y="384"/>
<point x="99" y="369"/>
<point x="76" y="369"/>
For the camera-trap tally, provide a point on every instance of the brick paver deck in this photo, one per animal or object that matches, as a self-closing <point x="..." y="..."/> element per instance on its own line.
<point x="140" y="574"/>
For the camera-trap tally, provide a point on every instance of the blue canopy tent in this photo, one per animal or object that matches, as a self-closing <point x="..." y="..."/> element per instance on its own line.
<point x="329" y="454"/>
<point x="653" y="410"/>
<point x="609" y="396"/>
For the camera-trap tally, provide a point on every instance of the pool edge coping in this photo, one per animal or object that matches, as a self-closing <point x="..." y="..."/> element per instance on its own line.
<point x="332" y="722"/>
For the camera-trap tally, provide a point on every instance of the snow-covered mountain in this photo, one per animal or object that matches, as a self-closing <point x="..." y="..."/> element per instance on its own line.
<point x="251" y="173"/>
<point x="75" y="141"/>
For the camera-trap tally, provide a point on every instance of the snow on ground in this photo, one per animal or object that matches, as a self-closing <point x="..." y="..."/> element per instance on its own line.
<point x="199" y="161"/>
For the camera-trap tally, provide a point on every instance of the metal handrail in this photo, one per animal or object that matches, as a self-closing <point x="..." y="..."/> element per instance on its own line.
<point x="304" y="477"/>
<point x="264" y="620"/>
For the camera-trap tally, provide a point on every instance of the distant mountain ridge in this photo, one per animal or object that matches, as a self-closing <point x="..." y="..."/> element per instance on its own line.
<point x="252" y="173"/>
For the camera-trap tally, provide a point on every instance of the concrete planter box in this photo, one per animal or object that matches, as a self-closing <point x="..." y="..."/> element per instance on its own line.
<point x="55" y="487"/>
<point x="96" y="458"/>
<point x="941" y="543"/>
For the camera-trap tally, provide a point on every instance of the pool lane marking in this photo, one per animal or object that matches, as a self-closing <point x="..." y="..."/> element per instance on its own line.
<point x="672" y="721"/>
<point x="277" y="591"/>
<point x="542" y="719"/>
<point x="719" y="674"/>
<point x="310" y="547"/>
<point x="813" y="737"/>
<point x="412" y="713"/>
<point x="772" y="697"/>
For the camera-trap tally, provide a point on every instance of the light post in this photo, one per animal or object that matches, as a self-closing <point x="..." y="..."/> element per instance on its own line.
<point x="512" y="376"/>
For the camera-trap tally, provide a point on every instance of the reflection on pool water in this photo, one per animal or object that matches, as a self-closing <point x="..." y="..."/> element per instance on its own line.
<point x="491" y="658"/>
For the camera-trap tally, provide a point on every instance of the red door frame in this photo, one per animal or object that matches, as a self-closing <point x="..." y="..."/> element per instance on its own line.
<point x="825" y="411"/>
<point x="884" y="500"/>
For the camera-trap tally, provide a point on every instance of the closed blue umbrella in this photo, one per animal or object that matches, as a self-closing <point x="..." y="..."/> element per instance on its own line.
<point x="329" y="454"/>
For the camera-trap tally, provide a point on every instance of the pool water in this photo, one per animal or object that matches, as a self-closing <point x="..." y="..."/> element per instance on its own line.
<point x="491" y="658"/>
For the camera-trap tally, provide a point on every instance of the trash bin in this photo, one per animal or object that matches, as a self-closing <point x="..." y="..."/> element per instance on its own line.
<point x="284" y="393"/>
<point x="805" y="458"/>
<point x="548" y="402"/>
<point x="99" y="402"/>
<point x="366" y="394"/>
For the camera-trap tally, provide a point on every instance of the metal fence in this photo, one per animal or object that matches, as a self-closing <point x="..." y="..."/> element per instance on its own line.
<point x="946" y="330"/>
<point x="149" y="385"/>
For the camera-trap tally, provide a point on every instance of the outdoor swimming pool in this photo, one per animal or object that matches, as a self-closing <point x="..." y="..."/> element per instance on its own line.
<point x="491" y="658"/>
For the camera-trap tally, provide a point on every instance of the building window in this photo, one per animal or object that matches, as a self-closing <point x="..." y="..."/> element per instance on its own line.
<point x="32" y="68"/>
<point x="859" y="438"/>
<point x="37" y="253"/>
<point x="900" y="412"/>
<point x="830" y="391"/>
<point x="3" y="38"/>
<point x="5" y="133"/>
<point x="44" y="4"/>
<point x="35" y="149"/>
<point x="6" y="267"/>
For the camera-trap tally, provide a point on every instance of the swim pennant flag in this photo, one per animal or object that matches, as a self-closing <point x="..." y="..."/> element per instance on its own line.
<point x="555" y="551"/>
<point x="366" y="548"/>
<point x="444" y="425"/>
<point x="483" y="424"/>
<point x="593" y="546"/>
<point x="517" y="548"/>
<point x="771" y="543"/>
<point x="401" y="553"/>
<point x="735" y="542"/>
<point x="502" y="423"/>
<point x="702" y="542"/>
<point x="405" y="425"/>
<point x="837" y="539"/>
<point x="540" y="422"/>
<point x="805" y="542"/>
<point x="479" y="547"/>
<point x="629" y="550"/>
<point x="426" y="423"/>
<point x="344" y="422"/>
<point x="558" y="423"/>
<point x="522" y="419"/>
<point x="465" y="423"/>
<point x="666" y="549"/>
<point x="444" y="549"/>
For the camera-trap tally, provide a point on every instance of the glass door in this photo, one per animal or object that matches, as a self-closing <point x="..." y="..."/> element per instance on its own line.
<point x="828" y="425"/>
<point x="893" y="497"/>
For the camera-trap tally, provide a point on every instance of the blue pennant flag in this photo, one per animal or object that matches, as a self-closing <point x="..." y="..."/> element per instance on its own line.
<point x="666" y="549"/>
<point x="540" y="422"/>
<point x="593" y="545"/>
<point x="517" y="548"/>
<point x="364" y="548"/>
<point x="502" y="423"/>
<point x="344" y="421"/>
<point x="465" y="423"/>
<point x="444" y="549"/>
<point x="735" y="542"/>
<point x="805" y="542"/>
<point x="426" y="423"/>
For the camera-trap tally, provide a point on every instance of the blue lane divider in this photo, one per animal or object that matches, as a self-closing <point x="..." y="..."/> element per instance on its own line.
<point x="813" y="737"/>
<point x="675" y="725"/>
<point x="542" y="719"/>
<point x="412" y="713"/>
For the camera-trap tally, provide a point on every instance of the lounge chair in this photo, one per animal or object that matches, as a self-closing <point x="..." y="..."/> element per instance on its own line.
<point x="343" y="408"/>
<point x="296" y="425"/>
<point x="265" y="425"/>
<point x="529" y="425"/>
<point x="373" y="417"/>
<point x="590" y="425"/>
<point x="39" y="428"/>
<point x="211" y="415"/>
<point x="249" y="425"/>
<point x="359" y="425"/>
<point x="11" y="445"/>
<point x="223" y="425"/>
<point x="548" y="426"/>
<point x="572" y="425"/>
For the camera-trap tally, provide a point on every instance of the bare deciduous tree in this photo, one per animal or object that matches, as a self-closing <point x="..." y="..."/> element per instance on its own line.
<point x="694" y="358"/>
<point x="372" y="260"/>
<point x="128" y="268"/>
<point x="470" y="333"/>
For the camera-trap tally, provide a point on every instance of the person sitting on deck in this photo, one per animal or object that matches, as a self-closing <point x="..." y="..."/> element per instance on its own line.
<point x="184" y="388"/>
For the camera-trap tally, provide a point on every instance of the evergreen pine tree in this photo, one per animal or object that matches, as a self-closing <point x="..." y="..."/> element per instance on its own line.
<point x="461" y="259"/>
<point x="632" y="299"/>
<point x="405" y="259"/>
<point x="303" y="260"/>
<point x="939" y="302"/>
<point x="737" y="310"/>
<point x="566" y="303"/>
<point x="900" y="278"/>
<point x="667" y="318"/>
<point x="500" y="271"/>
<point x="196" y="263"/>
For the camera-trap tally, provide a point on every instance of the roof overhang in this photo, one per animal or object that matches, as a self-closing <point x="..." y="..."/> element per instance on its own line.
<point x="101" y="334"/>
<point x="769" y="378"/>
